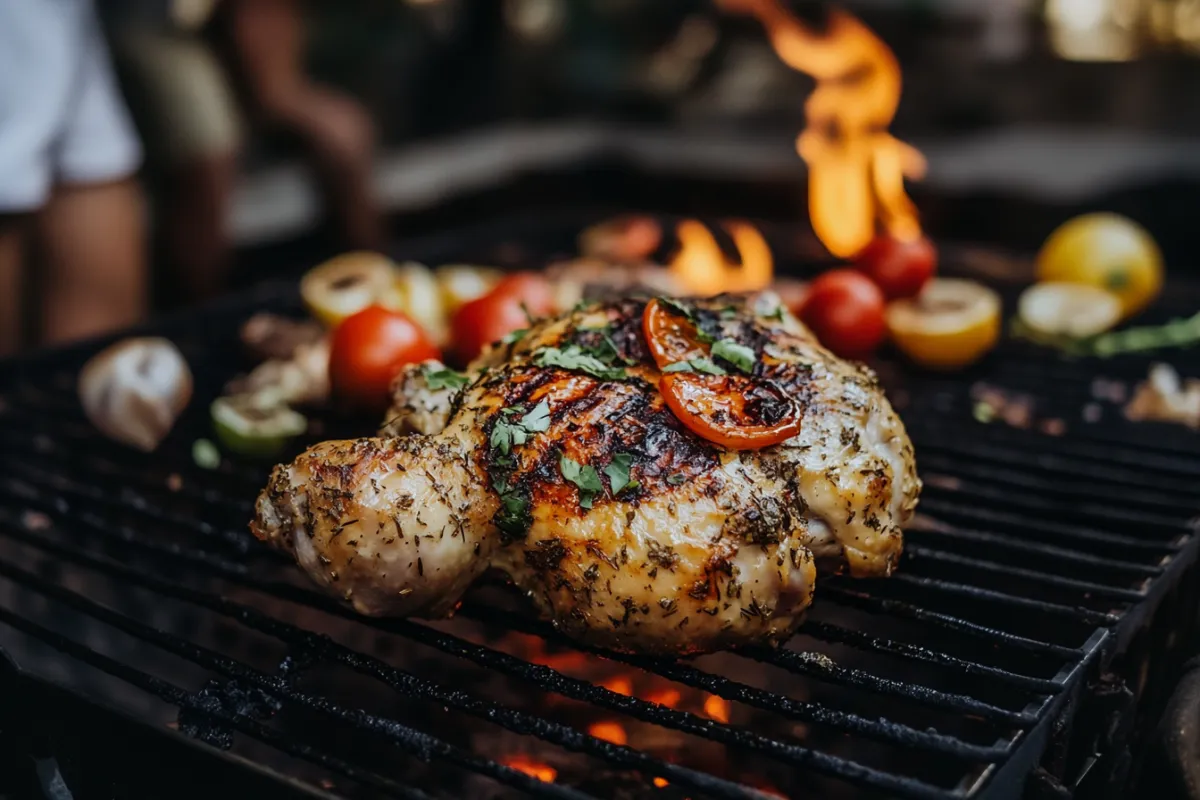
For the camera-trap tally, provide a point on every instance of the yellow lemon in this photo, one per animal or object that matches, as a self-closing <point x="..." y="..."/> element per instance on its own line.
<point x="1108" y="251"/>
<point x="950" y="324"/>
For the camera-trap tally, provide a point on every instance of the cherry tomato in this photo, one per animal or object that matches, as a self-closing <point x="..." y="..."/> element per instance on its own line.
<point x="899" y="268"/>
<point x="367" y="351"/>
<point x="846" y="312"/>
<point x="670" y="336"/>
<point x="498" y="313"/>
<point x="734" y="411"/>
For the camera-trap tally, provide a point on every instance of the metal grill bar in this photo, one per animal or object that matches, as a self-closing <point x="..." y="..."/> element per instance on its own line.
<point x="928" y="554"/>
<point x="852" y="598"/>
<point x="397" y="680"/>
<point x="767" y="701"/>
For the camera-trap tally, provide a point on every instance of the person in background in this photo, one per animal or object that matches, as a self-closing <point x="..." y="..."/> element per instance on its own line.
<point x="194" y="74"/>
<point x="69" y="199"/>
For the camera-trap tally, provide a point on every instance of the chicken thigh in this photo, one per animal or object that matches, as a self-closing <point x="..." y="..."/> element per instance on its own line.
<point x="557" y="461"/>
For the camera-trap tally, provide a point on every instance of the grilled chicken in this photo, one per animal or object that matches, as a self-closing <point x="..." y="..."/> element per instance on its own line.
<point x="560" y="464"/>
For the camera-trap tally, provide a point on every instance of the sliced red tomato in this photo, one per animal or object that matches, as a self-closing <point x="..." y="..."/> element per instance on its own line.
<point x="734" y="411"/>
<point x="670" y="335"/>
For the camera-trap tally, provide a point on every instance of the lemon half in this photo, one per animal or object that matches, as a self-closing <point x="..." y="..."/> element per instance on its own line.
<point x="950" y="324"/>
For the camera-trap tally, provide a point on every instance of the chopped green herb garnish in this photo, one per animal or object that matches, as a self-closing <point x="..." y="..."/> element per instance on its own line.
<point x="739" y="355"/>
<point x="728" y="312"/>
<point x="618" y="473"/>
<point x="538" y="419"/>
<point x="676" y="478"/>
<point x="513" y="518"/>
<point x="778" y="314"/>
<point x="583" y="476"/>
<point x="514" y="336"/>
<point x="695" y="365"/>
<point x="507" y="434"/>
<point x="574" y="358"/>
<point x="444" y="378"/>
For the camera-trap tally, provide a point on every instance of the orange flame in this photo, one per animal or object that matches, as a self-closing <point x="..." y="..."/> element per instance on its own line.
<point x="856" y="168"/>
<point x="619" y="684"/>
<point x="717" y="708"/>
<point x="612" y="732"/>
<point x="668" y="697"/>
<point x="661" y="783"/>
<point x="534" y="769"/>
<point x="702" y="268"/>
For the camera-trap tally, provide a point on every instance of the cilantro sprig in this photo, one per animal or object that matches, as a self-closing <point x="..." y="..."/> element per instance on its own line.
<point x="618" y="473"/>
<point x="702" y="364"/>
<point x="508" y="433"/>
<point x="444" y="378"/>
<point x="575" y="358"/>
<point x="737" y="354"/>
<point x="584" y="476"/>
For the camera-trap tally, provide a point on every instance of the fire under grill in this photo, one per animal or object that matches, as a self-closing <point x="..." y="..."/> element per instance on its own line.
<point x="1045" y="602"/>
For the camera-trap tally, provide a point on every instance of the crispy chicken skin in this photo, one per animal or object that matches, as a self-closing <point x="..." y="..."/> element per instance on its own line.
<point x="705" y="548"/>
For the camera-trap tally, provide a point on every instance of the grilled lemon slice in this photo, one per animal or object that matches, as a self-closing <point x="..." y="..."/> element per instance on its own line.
<point x="346" y="284"/>
<point x="1074" y="310"/>
<point x="950" y="324"/>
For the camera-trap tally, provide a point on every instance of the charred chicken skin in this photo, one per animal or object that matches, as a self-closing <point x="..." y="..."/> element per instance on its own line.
<point x="558" y="461"/>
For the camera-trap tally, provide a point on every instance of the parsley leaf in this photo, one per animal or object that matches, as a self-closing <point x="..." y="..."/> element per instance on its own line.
<point x="444" y="378"/>
<point x="583" y="476"/>
<point x="695" y="365"/>
<point x="676" y="478"/>
<point x="513" y="518"/>
<point x="538" y="419"/>
<point x="739" y="355"/>
<point x="728" y="312"/>
<point x="618" y="473"/>
<point x="574" y="358"/>
<point x="514" y="336"/>
<point x="507" y="434"/>
<point x="778" y="313"/>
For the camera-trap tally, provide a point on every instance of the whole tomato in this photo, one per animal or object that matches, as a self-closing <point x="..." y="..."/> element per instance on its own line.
<point x="846" y="312"/>
<point x="899" y="268"/>
<point x="506" y="308"/>
<point x="367" y="351"/>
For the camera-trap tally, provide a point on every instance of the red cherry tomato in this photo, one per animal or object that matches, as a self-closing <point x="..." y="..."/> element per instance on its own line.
<point x="367" y="351"/>
<point x="670" y="336"/>
<point x="499" y="312"/>
<point x="899" y="268"/>
<point x="734" y="411"/>
<point x="846" y="312"/>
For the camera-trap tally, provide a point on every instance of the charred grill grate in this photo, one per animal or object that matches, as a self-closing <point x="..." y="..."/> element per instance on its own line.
<point x="1037" y="565"/>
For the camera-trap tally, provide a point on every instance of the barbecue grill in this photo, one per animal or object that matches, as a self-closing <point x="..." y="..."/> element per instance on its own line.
<point x="1044" y="606"/>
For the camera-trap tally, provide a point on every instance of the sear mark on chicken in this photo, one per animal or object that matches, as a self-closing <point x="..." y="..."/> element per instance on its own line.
<point x="623" y="527"/>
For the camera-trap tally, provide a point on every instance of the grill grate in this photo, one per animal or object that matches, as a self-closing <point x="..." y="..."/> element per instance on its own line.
<point x="1037" y="559"/>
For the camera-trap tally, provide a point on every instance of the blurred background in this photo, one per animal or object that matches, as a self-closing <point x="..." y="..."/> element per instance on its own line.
<point x="275" y="133"/>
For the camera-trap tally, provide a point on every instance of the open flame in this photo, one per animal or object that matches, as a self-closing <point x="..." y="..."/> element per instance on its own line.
<point x="856" y="168"/>
<point x="702" y="268"/>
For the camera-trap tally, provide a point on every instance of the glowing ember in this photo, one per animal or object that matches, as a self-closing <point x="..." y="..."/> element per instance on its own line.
<point x="717" y="708"/>
<point x="661" y="783"/>
<point x="664" y="697"/>
<point x="619" y="684"/>
<point x="703" y="269"/>
<point x="534" y="769"/>
<point x="856" y="168"/>
<point x="610" y="732"/>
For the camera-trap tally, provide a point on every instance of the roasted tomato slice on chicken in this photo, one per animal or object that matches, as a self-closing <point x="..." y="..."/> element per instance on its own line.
<point x="671" y="334"/>
<point x="734" y="411"/>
